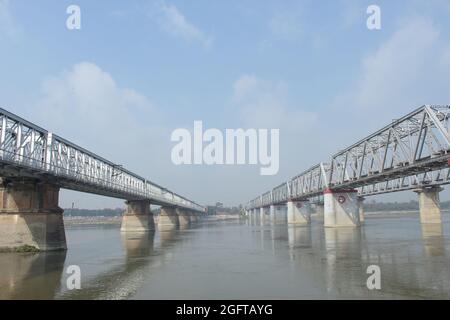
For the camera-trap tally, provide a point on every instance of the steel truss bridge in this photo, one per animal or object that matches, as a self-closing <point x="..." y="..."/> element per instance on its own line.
<point x="28" y="151"/>
<point x="409" y="153"/>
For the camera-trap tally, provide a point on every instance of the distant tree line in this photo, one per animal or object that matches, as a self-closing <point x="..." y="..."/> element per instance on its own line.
<point x="93" y="212"/>
<point x="220" y="209"/>
<point x="369" y="206"/>
<point x="117" y="212"/>
<point x="397" y="206"/>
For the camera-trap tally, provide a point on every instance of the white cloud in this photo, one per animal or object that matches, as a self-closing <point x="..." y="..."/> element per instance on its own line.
<point x="86" y="106"/>
<point x="91" y="94"/>
<point x="175" y="23"/>
<point x="407" y="70"/>
<point x="402" y="66"/>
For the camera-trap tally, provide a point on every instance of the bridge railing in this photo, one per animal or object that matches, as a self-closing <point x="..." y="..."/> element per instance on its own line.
<point x="25" y="145"/>
<point x="280" y="193"/>
<point x="310" y="182"/>
<point x="303" y="186"/>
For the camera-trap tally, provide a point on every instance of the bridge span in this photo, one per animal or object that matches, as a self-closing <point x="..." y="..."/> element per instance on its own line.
<point x="410" y="153"/>
<point x="35" y="164"/>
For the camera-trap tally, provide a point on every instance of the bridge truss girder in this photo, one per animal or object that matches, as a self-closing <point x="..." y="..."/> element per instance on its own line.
<point x="409" y="153"/>
<point x="27" y="150"/>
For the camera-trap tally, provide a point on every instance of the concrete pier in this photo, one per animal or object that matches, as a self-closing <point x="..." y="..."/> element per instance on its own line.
<point x="299" y="212"/>
<point x="341" y="208"/>
<point x="30" y="215"/>
<point x="184" y="217"/>
<point x="361" y="209"/>
<point x="168" y="219"/>
<point x="429" y="204"/>
<point x="137" y="217"/>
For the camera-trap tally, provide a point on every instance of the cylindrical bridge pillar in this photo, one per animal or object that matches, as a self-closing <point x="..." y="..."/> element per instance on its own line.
<point x="137" y="217"/>
<point x="429" y="204"/>
<point x="341" y="208"/>
<point x="30" y="216"/>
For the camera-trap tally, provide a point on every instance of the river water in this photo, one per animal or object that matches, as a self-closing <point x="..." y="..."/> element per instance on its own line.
<point x="239" y="259"/>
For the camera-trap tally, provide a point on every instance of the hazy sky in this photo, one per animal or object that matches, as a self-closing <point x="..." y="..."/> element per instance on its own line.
<point x="137" y="70"/>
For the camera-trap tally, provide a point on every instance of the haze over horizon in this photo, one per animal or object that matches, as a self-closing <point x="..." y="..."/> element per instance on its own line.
<point x="110" y="89"/>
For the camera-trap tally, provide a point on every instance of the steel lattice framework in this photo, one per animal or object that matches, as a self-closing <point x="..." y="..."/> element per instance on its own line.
<point x="409" y="153"/>
<point x="27" y="150"/>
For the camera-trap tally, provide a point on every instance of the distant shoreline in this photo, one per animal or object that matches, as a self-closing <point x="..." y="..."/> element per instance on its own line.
<point x="117" y="220"/>
<point x="95" y="220"/>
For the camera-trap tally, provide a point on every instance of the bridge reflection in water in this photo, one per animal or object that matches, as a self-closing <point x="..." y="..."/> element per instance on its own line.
<point x="339" y="257"/>
<point x="235" y="260"/>
<point x="31" y="276"/>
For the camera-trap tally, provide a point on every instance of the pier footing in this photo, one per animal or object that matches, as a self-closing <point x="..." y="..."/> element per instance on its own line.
<point x="299" y="212"/>
<point x="429" y="205"/>
<point x="137" y="217"/>
<point x="341" y="208"/>
<point x="168" y="219"/>
<point x="30" y="216"/>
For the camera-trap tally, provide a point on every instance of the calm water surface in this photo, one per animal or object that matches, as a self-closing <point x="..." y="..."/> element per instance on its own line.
<point x="240" y="260"/>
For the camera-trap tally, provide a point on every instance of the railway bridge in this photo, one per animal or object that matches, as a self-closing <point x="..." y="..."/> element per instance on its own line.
<point x="410" y="153"/>
<point x="35" y="164"/>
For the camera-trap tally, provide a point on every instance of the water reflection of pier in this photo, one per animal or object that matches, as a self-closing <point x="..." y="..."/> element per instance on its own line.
<point x="31" y="275"/>
<point x="339" y="257"/>
<point x="42" y="275"/>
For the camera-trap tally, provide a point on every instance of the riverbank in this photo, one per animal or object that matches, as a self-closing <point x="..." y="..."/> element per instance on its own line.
<point x="77" y="221"/>
<point x="117" y="220"/>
